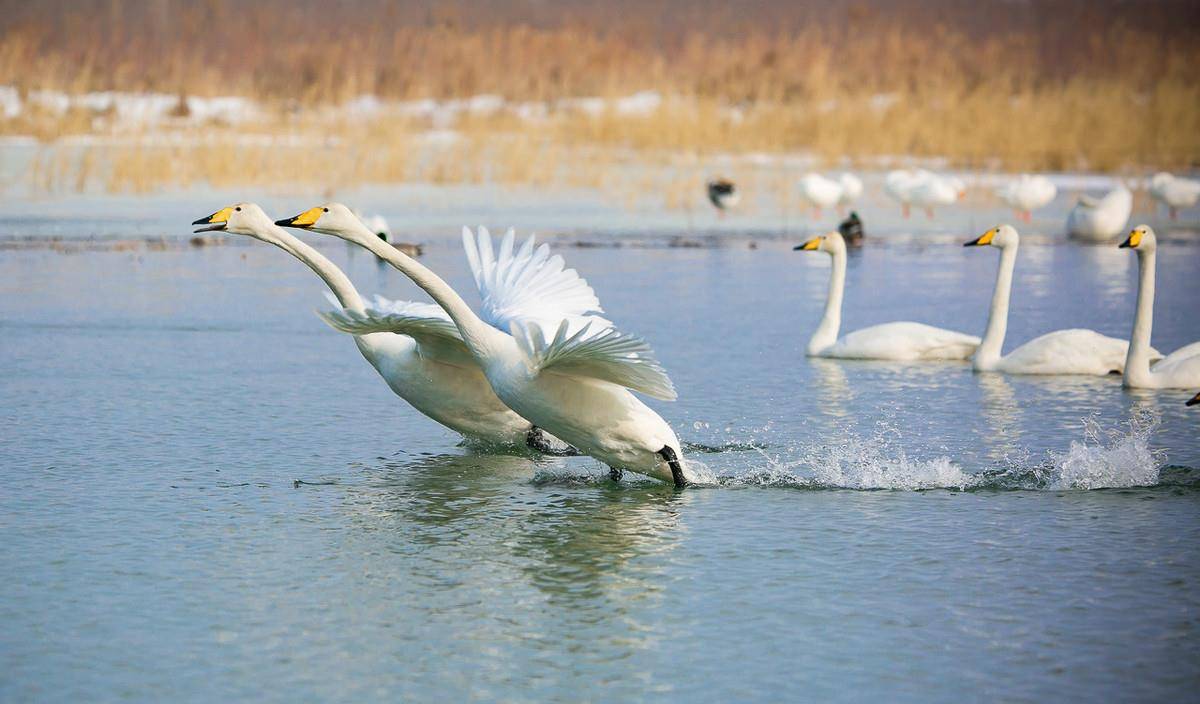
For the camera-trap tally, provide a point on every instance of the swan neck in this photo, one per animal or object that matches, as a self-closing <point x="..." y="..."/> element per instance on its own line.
<point x="831" y="321"/>
<point x="1137" y="359"/>
<point x="481" y="338"/>
<point x="334" y="278"/>
<point x="992" y="345"/>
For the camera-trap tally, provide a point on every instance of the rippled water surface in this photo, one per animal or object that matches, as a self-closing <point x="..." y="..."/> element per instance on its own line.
<point x="208" y="494"/>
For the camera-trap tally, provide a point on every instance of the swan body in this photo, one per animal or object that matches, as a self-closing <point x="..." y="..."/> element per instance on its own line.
<point x="573" y="381"/>
<point x="934" y="190"/>
<point x="1073" y="351"/>
<point x="852" y="188"/>
<point x="1026" y="193"/>
<point x="1100" y="219"/>
<point x="900" y="183"/>
<point x="820" y="192"/>
<point x="1181" y="368"/>
<point x="900" y="341"/>
<point x="1174" y="192"/>
<point x="421" y="360"/>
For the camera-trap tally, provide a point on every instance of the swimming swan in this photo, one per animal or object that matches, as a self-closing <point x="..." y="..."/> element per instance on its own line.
<point x="574" y="382"/>
<point x="1060" y="352"/>
<point x="425" y="363"/>
<point x="1181" y="368"/>
<point x="895" y="341"/>
<point x="1100" y="219"/>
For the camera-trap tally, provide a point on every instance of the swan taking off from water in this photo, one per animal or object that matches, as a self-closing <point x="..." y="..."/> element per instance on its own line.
<point x="1100" y="219"/>
<point x="1181" y="368"/>
<point x="820" y="192"/>
<point x="1060" y="352"/>
<point x="902" y="341"/>
<point x="572" y="379"/>
<point x="723" y="195"/>
<point x="1026" y="194"/>
<point x="425" y="362"/>
<point x="1174" y="192"/>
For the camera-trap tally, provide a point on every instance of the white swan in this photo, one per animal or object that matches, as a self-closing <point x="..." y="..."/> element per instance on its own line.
<point x="1174" y="192"/>
<point x="1181" y="368"/>
<point x="900" y="183"/>
<point x="933" y="190"/>
<point x="852" y="189"/>
<point x="426" y="362"/>
<point x="1073" y="351"/>
<point x="820" y="192"/>
<point x="901" y="341"/>
<point x="574" y="382"/>
<point x="1026" y="194"/>
<point x="1100" y="219"/>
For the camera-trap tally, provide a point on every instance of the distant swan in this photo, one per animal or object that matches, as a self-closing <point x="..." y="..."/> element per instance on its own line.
<point x="922" y="188"/>
<point x="901" y="341"/>
<point x="425" y="362"/>
<point x="1100" y="219"/>
<point x="1073" y="351"/>
<point x="852" y="189"/>
<point x="820" y="192"/>
<point x="1026" y="194"/>
<point x="573" y="380"/>
<point x="1174" y="192"/>
<point x="1181" y="368"/>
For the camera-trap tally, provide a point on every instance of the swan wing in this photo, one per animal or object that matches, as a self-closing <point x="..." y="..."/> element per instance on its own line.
<point x="904" y="341"/>
<point x="1072" y="351"/>
<point x="525" y="283"/>
<point x="1178" y="355"/>
<point x="605" y="354"/>
<point x="436" y="335"/>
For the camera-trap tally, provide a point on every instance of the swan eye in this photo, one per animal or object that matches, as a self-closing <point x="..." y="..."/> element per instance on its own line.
<point x="327" y="210"/>
<point x="239" y="208"/>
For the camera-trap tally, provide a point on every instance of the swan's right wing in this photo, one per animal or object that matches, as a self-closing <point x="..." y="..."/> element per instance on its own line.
<point x="525" y="283"/>
<point x="435" y="334"/>
<point x="605" y="354"/>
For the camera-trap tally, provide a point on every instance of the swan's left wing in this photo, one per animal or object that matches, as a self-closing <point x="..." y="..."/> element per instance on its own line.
<point x="436" y="335"/>
<point x="605" y="354"/>
<point x="526" y="283"/>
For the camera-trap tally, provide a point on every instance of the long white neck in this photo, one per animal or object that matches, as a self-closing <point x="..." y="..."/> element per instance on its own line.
<point x="988" y="355"/>
<point x="1137" y="359"/>
<point x="482" y="339"/>
<point x="831" y="321"/>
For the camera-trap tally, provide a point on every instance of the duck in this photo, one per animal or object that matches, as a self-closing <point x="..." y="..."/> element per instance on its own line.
<point x="1174" y="192"/>
<point x="899" y="341"/>
<point x="421" y="356"/>
<point x="1181" y="368"/>
<point x="1073" y="351"/>
<point x="820" y="192"/>
<point x="1027" y="193"/>
<point x="1100" y="219"/>
<point x="566" y="374"/>
<point x="723" y="194"/>
<point x="851" y="230"/>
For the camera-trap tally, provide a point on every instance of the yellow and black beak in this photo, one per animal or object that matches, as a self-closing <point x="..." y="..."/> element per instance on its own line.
<point x="1193" y="400"/>
<point x="982" y="240"/>
<point x="304" y="220"/>
<point x="808" y="246"/>
<point x="217" y="220"/>
<point x="1131" y="242"/>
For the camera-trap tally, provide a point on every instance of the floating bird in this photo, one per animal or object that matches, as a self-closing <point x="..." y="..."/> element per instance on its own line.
<point x="851" y="230"/>
<point x="1074" y="351"/>
<point x="569" y="375"/>
<point x="723" y="195"/>
<point x="1026" y="193"/>
<point x="901" y="341"/>
<point x="425" y="362"/>
<point x="1100" y="219"/>
<point x="1181" y="368"/>
<point x="820" y="192"/>
<point x="1174" y="192"/>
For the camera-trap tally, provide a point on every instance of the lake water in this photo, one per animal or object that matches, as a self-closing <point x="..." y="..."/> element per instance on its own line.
<point x="207" y="494"/>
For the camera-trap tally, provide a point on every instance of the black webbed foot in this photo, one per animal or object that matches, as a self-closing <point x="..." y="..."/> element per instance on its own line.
<point x="676" y="466"/>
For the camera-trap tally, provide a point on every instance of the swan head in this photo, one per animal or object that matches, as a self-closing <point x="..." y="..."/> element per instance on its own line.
<point x="1001" y="236"/>
<point x="830" y="242"/>
<point x="1142" y="239"/>
<point x="239" y="219"/>
<point x="331" y="219"/>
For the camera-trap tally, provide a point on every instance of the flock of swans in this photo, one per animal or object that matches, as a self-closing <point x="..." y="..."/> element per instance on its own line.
<point x="541" y="366"/>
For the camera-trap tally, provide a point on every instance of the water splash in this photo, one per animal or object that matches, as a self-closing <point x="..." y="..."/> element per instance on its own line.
<point x="1110" y="458"/>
